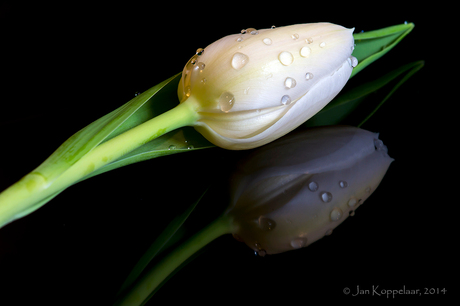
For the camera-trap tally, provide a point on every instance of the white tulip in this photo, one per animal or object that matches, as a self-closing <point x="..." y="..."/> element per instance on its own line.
<point x="292" y="192"/>
<point x="255" y="87"/>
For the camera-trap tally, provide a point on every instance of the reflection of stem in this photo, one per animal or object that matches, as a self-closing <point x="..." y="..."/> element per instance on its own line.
<point x="28" y="193"/>
<point x="142" y="289"/>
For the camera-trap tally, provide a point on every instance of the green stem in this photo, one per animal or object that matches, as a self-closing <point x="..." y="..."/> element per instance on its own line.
<point x="142" y="290"/>
<point x="32" y="189"/>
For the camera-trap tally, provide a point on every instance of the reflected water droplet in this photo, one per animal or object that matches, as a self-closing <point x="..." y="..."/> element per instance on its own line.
<point x="313" y="186"/>
<point x="326" y="196"/>
<point x="286" y="58"/>
<point x="336" y="214"/>
<point x="239" y="60"/>
<point x="352" y="202"/>
<point x="299" y="242"/>
<point x="226" y="101"/>
<point x="266" y="224"/>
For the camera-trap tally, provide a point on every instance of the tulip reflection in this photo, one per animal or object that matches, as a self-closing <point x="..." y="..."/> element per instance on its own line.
<point x="294" y="191"/>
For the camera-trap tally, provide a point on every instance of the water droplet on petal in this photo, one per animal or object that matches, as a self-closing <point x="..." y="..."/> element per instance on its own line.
<point x="326" y="196"/>
<point x="199" y="51"/>
<point x="299" y="242"/>
<point x="313" y="186"/>
<point x="295" y="36"/>
<point x="336" y="214"/>
<point x="368" y="190"/>
<point x="343" y="184"/>
<point x="272" y="27"/>
<point x="266" y="224"/>
<point x="239" y="60"/>
<point x="309" y="40"/>
<point x="239" y="39"/>
<point x="252" y="31"/>
<point x="267" y="41"/>
<point x="226" y="101"/>
<point x="286" y="58"/>
<point x="308" y="76"/>
<point x="285" y="100"/>
<point x="322" y="45"/>
<point x="203" y="81"/>
<point x="188" y="91"/>
<point x="353" y="61"/>
<point x="290" y="83"/>
<point x="328" y="232"/>
<point x="244" y="31"/>
<point x="352" y="202"/>
<point x="305" y="52"/>
<point x="351" y="213"/>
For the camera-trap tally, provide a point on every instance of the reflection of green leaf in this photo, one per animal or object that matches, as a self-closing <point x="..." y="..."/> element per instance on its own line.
<point x="339" y="110"/>
<point x="166" y="238"/>
<point x="372" y="45"/>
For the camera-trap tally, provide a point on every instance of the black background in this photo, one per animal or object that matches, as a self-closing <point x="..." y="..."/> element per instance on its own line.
<point x="65" y="66"/>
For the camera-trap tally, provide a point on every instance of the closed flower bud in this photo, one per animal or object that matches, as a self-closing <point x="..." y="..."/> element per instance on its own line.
<point x="294" y="191"/>
<point x="254" y="87"/>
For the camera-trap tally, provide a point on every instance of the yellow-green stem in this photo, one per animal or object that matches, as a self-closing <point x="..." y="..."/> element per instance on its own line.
<point x="27" y="193"/>
<point x="142" y="290"/>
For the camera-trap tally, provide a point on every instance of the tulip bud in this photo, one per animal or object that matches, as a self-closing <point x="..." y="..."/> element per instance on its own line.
<point x="294" y="191"/>
<point x="254" y="87"/>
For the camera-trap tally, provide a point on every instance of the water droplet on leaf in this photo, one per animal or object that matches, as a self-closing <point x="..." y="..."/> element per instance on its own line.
<point x="226" y="101"/>
<point x="285" y="100"/>
<point x="239" y="60"/>
<point x="305" y="52"/>
<point x="286" y="58"/>
<point x="290" y="83"/>
<point x="308" y="76"/>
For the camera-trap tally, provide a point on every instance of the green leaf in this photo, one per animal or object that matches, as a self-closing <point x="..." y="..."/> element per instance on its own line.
<point x="372" y="45"/>
<point x="340" y="109"/>
<point x="101" y="130"/>
<point x="170" y="234"/>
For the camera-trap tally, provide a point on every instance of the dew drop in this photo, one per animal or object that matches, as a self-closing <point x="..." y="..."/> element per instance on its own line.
<point x="309" y="40"/>
<point x="172" y="147"/>
<point x="273" y="27"/>
<point x="239" y="60"/>
<point x="190" y="147"/>
<point x="368" y="190"/>
<point x="326" y="196"/>
<point x="194" y="60"/>
<point x="286" y="58"/>
<point x="353" y="61"/>
<point x="299" y="242"/>
<point x="188" y="91"/>
<point x="305" y="52"/>
<point x="199" y="67"/>
<point x="285" y="100"/>
<point x="295" y="36"/>
<point x="244" y="31"/>
<point x="352" y="202"/>
<point x="267" y="41"/>
<point x="290" y="83"/>
<point x="226" y="101"/>
<point x="252" y="31"/>
<point x="261" y="252"/>
<point x="308" y="76"/>
<point x="246" y="91"/>
<point x="313" y="186"/>
<point x="336" y="214"/>
<point x="322" y="45"/>
<point x="266" y="224"/>
<point x="328" y="232"/>
<point x="351" y="213"/>
<point x="199" y="51"/>
<point x="203" y="81"/>
<point x="137" y="93"/>
<point x="343" y="184"/>
<point x="239" y="39"/>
